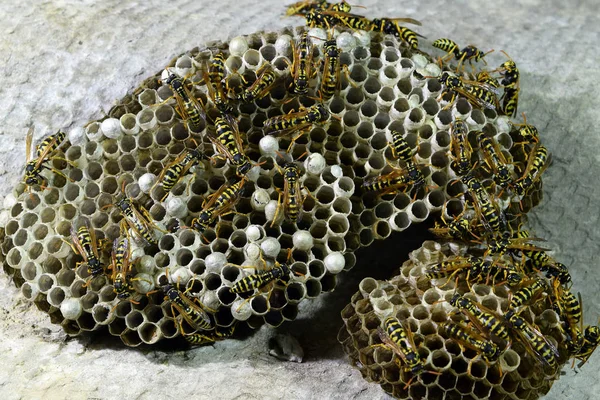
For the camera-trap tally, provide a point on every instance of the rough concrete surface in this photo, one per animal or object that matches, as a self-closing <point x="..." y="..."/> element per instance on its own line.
<point x="65" y="61"/>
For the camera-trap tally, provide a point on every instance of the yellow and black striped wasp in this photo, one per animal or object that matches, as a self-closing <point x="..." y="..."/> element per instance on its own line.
<point x="477" y="270"/>
<point x="397" y="337"/>
<point x="43" y="153"/>
<point x="389" y="26"/>
<point x="121" y="268"/>
<point x="302" y="69"/>
<point x="193" y="313"/>
<point x="290" y="201"/>
<point x="539" y="260"/>
<point x="527" y="294"/>
<point x="265" y="80"/>
<point x="411" y="172"/>
<point x="218" y="204"/>
<point x="477" y="93"/>
<point x="332" y="18"/>
<point x="250" y="283"/>
<point x="204" y="338"/>
<point x="494" y="159"/>
<point x="460" y="148"/>
<point x="303" y="7"/>
<point x="469" y="53"/>
<point x="330" y="79"/>
<point x="393" y="182"/>
<point x="188" y="107"/>
<point x="482" y="319"/>
<point x="178" y="168"/>
<point x="534" y="340"/>
<point x="214" y="83"/>
<point x="467" y="337"/>
<point x="297" y="122"/>
<point x="529" y="133"/>
<point x="86" y="245"/>
<point x="461" y="227"/>
<point x="490" y="215"/>
<point x="255" y="282"/>
<point x="140" y="221"/>
<point x="537" y="164"/>
<point x="568" y="307"/>
<point x="228" y="141"/>
<point x="510" y="81"/>
<point x="591" y="340"/>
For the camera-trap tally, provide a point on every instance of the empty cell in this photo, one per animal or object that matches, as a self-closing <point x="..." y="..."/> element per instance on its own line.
<point x="440" y="359"/>
<point x="351" y="119"/>
<point x="166" y="243"/>
<point x="55" y="296"/>
<point x="374" y="64"/>
<point x="384" y="210"/>
<point x="183" y="257"/>
<point x="400" y="108"/>
<point x="431" y="107"/>
<point x="354" y="96"/>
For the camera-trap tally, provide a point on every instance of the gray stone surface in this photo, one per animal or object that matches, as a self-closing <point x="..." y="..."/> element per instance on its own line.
<point x="64" y="61"/>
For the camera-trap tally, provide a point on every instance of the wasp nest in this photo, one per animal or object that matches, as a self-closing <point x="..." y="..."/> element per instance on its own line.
<point x="388" y="89"/>
<point x="451" y="368"/>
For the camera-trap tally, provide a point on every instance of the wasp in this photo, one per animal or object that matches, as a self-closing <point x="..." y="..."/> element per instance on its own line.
<point x="398" y="337"/>
<point x="43" y="153"/>
<point x="352" y="21"/>
<point x="192" y="313"/>
<point x="485" y="77"/>
<point x="393" y="182"/>
<point x="86" y="245"/>
<point x="121" y="268"/>
<point x="477" y="269"/>
<point x="219" y="203"/>
<point x="319" y="19"/>
<point x="540" y="260"/>
<point x="483" y="320"/>
<point x="527" y="131"/>
<point x="477" y="93"/>
<point x="568" y="306"/>
<point x="177" y="169"/>
<point x="260" y="279"/>
<point x="591" y="339"/>
<point x="299" y="121"/>
<point x="264" y="82"/>
<point x="291" y="200"/>
<point x="216" y="70"/>
<point x="492" y="219"/>
<point x="469" y="338"/>
<point x="390" y="26"/>
<point x="303" y="7"/>
<point x="534" y="340"/>
<point x="220" y="333"/>
<point x="302" y="65"/>
<point x="214" y="83"/>
<point x="330" y="79"/>
<point x="460" y="227"/>
<point x="228" y="141"/>
<point x="510" y="81"/>
<point x="469" y="53"/>
<point x="500" y="244"/>
<point x="494" y="159"/>
<point x="527" y="293"/>
<point x="537" y="164"/>
<point x="460" y="148"/>
<point x="138" y="220"/>
<point x="402" y="151"/>
<point x="188" y="106"/>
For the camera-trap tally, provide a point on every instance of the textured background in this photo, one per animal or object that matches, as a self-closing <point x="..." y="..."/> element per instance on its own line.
<point x="65" y="61"/>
